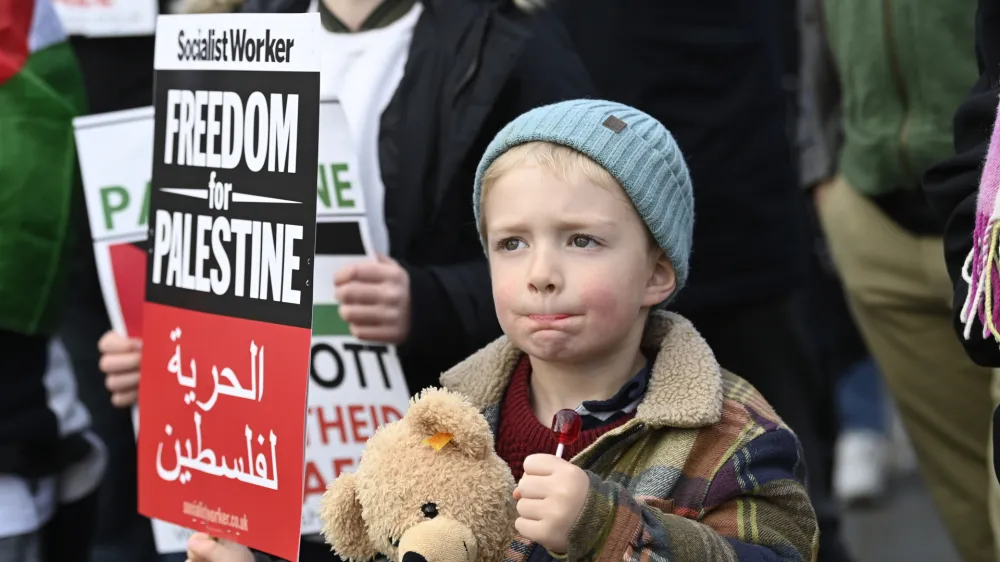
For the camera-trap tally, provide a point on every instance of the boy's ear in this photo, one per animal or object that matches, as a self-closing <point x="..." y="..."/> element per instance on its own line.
<point x="446" y="419"/>
<point x="343" y="527"/>
<point x="662" y="281"/>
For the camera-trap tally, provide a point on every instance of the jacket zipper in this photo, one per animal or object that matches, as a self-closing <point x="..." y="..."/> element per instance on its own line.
<point x="897" y="73"/>
<point x="470" y="72"/>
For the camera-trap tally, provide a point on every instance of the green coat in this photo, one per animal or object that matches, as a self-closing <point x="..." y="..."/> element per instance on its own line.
<point x="901" y="67"/>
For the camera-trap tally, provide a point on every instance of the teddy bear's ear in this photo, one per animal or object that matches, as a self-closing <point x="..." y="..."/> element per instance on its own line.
<point x="447" y="419"/>
<point x="343" y="527"/>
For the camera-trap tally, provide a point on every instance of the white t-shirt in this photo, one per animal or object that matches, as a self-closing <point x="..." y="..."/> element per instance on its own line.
<point x="362" y="70"/>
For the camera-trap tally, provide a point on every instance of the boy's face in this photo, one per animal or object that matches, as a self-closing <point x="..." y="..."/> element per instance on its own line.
<point x="571" y="265"/>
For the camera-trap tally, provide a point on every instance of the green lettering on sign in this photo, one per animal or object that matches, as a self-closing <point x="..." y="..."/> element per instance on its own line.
<point x="144" y="212"/>
<point x="322" y="189"/>
<point x="114" y="199"/>
<point x="339" y="186"/>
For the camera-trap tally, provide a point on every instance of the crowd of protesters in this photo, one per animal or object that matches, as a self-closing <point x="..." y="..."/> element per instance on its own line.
<point x="835" y="149"/>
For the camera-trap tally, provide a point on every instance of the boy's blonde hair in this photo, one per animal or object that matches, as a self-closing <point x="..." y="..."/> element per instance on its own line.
<point x="565" y="163"/>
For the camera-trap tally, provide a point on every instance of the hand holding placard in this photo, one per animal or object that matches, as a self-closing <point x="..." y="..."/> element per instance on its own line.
<point x="203" y="548"/>
<point x="375" y="300"/>
<point x="120" y="358"/>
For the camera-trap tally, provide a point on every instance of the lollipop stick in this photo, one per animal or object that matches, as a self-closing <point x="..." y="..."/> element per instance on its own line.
<point x="559" y="450"/>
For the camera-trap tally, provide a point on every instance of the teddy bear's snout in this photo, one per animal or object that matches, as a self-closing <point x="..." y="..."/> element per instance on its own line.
<point x="440" y="539"/>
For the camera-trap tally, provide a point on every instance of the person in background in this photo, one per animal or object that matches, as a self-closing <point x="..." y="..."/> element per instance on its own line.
<point x="860" y="457"/>
<point x="117" y="74"/>
<point x="712" y="73"/>
<point x="50" y="461"/>
<point x="884" y="81"/>
<point x="863" y="455"/>
<point x="430" y="104"/>
<point x="862" y="460"/>
<point x="952" y="187"/>
<point x="425" y="85"/>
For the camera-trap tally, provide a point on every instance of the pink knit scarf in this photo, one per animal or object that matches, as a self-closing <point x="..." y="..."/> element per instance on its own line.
<point x="983" y="299"/>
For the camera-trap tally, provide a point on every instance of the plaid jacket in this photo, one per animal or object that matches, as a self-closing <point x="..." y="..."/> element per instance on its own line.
<point x="705" y="471"/>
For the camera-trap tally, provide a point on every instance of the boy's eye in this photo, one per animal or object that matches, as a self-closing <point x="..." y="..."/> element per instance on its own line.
<point x="583" y="241"/>
<point x="510" y="244"/>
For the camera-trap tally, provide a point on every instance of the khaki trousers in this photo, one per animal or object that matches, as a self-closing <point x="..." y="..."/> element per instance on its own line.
<point x="900" y="295"/>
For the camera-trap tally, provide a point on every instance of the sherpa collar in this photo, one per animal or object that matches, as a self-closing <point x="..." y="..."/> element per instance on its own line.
<point x="685" y="387"/>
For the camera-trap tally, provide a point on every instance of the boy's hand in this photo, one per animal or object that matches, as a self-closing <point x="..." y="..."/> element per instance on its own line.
<point x="375" y="300"/>
<point x="550" y="497"/>
<point x="202" y="548"/>
<point x="120" y="358"/>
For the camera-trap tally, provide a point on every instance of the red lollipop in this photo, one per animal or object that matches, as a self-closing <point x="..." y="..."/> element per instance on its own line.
<point x="566" y="425"/>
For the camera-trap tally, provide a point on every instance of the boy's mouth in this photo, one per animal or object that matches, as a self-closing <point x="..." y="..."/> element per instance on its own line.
<point x="548" y="317"/>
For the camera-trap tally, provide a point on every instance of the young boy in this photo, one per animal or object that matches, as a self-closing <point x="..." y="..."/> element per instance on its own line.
<point x="585" y="208"/>
<point x="585" y="212"/>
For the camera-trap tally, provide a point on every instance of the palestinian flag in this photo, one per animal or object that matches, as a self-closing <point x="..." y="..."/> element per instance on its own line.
<point x="41" y="91"/>
<point x="337" y="244"/>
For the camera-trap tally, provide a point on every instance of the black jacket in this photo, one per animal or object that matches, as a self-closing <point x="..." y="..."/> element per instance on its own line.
<point x="472" y="68"/>
<point x="711" y="72"/>
<point x="952" y="185"/>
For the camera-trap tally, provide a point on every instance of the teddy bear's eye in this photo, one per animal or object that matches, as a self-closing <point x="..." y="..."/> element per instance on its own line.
<point x="430" y="510"/>
<point x="394" y="542"/>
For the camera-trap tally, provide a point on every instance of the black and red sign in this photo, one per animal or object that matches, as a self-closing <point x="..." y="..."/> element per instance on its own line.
<point x="227" y="314"/>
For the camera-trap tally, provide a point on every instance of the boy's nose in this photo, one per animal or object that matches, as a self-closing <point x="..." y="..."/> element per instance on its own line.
<point x="543" y="288"/>
<point x="544" y="276"/>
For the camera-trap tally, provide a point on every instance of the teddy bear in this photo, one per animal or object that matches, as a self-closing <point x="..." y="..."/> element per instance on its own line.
<point x="429" y="488"/>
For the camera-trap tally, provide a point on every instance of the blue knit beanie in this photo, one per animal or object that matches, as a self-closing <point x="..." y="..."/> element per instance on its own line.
<point x="634" y="147"/>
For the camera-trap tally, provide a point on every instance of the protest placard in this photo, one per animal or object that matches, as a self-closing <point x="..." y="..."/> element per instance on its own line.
<point x="108" y="18"/>
<point x="353" y="385"/>
<point x="231" y="240"/>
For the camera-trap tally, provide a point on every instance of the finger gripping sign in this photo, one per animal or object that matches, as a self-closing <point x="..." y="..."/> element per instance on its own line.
<point x="227" y="315"/>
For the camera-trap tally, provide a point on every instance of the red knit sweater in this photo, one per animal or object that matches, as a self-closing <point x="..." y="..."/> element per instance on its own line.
<point x="521" y="434"/>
